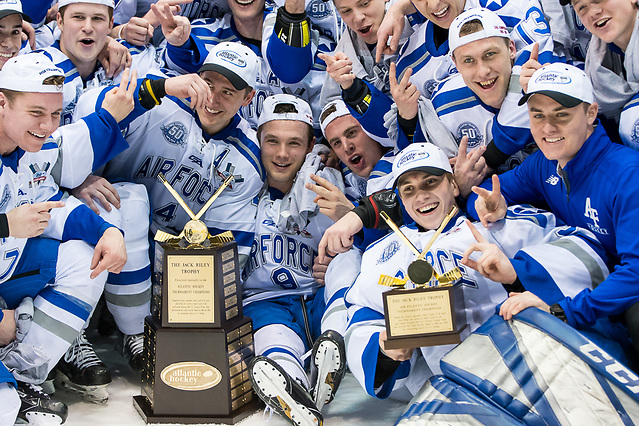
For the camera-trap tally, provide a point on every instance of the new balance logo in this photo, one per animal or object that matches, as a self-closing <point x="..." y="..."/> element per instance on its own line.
<point x="553" y="180"/>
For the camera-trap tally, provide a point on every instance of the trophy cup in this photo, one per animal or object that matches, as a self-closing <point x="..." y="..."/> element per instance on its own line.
<point x="197" y="343"/>
<point x="429" y="314"/>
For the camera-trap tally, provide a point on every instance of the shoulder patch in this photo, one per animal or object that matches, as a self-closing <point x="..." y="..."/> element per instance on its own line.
<point x="318" y="9"/>
<point x="388" y="252"/>
<point x="6" y="195"/>
<point x="174" y="133"/>
<point x="470" y="129"/>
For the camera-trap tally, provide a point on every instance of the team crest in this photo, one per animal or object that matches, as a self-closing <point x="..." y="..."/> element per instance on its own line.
<point x="471" y="130"/>
<point x="388" y="252"/>
<point x="6" y="196"/>
<point x="39" y="173"/>
<point x="634" y="135"/>
<point x="174" y="133"/>
<point x="318" y="9"/>
<point x="429" y="88"/>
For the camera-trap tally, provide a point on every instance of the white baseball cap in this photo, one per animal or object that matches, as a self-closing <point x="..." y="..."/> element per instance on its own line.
<point x="234" y="61"/>
<point x="492" y="23"/>
<point x="11" y="7"/>
<point x="424" y="157"/>
<point x="110" y="3"/>
<point x="331" y="111"/>
<point x="26" y="73"/>
<point x="564" y="83"/>
<point x="299" y="109"/>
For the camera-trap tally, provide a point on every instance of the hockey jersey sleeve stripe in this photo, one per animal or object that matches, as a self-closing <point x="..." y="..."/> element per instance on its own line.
<point x="83" y="224"/>
<point x="536" y="279"/>
<point x="365" y="314"/>
<point x="415" y="60"/>
<point x="251" y="151"/>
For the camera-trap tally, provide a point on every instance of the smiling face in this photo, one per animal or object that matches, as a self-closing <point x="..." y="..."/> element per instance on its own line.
<point x="27" y="120"/>
<point x="440" y="12"/>
<point x="284" y="145"/>
<point x="353" y="147"/>
<point x="85" y="27"/>
<point x="560" y="132"/>
<point x="485" y="66"/>
<point x="10" y="37"/>
<point x="427" y="198"/>
<point x="610" y="20"/>
<point x="227" y="100"/>
<point x="246" y="9"/>
<point x="362" y="16"/>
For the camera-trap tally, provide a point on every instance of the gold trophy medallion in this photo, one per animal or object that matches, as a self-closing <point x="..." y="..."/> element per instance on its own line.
<point x="195" y="232"/>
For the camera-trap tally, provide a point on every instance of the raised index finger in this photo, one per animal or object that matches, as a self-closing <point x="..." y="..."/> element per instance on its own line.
<point x="534" y="53"/>
<point x="392" y="75"/>
<point x="463" y="150"/>
<point x="479" y="237"/>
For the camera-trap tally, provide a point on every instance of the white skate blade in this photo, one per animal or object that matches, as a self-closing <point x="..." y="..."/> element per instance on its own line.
<point x="273" y="385"/>
<point x="327" y="359"/>
<point x="96" y="394"/>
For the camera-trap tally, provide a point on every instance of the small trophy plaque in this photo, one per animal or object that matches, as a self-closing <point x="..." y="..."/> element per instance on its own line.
<point x="429" y="314"/>
<point x="197" y="343"/>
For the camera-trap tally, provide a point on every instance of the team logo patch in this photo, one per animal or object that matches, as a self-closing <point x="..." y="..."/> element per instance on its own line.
<point x="388" y="252"/>
<point x="318" y="9"/>
<point x="471" y="130"/>
<point x="553" y="77"/>
<point x="174" y="133"/>
<point x="39" y="173"/>
<point x="429" y="88"/>
<point x="634" y="135"/>
<point x="6" y="195"/>
<point x="553" y="180"/>
<point x="231" y="57"/>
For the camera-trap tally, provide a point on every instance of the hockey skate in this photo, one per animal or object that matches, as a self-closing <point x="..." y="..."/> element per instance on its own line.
<point x="133" y="350"/>
<point x="282" y="393"/>
<point x="328" y="366"/>
<point x="38" y="408"/>
<point x="81" y="371"/>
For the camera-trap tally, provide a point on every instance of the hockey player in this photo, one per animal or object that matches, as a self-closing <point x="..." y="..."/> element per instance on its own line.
<point x="63" y="272"/>
<point x="189" y="45"/>
<point x="11" y="17"/>
<point x="516" y="252"/>
<point x="200" y="147"/>
<point x="281" y="294"/>
<point x="586" y="180"/>
<point x="84" y="27"/>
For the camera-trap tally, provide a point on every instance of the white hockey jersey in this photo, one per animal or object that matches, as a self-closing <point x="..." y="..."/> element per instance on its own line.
<point x="33" y="177"/>
<point x="281" y="263"/>
<point x="168" y="139"/>
<point x="553" y="262"/>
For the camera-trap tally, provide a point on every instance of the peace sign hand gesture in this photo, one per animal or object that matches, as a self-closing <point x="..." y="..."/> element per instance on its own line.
<point x="493" y="263"/>
<point x="490" y="205"/>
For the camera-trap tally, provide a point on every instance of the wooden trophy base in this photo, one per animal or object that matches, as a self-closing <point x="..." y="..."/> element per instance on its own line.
<point x="143" y="406"/>
<point x="432" y="340"/>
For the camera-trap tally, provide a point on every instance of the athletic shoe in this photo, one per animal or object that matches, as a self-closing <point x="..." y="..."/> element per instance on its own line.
<point x="81" y="371"/>
<point x="38" y="408"/>
<point x="328" y="366"/>
<point x="133" y="350"/>
<point x="283" y="394"/>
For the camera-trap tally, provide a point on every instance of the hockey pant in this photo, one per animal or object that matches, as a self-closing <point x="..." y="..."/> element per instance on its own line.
<point x="281" y="332"/>
<point x="340" y="275"/>
<point x="128" y="294"/>
<point x="533" y="370"/>
<point x="56" y="276"/>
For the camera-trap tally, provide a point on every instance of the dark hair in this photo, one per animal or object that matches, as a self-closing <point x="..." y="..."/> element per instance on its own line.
<point x="284" y="108"/>
<point x="473" y="26"/>
<point x="328" y="111"/>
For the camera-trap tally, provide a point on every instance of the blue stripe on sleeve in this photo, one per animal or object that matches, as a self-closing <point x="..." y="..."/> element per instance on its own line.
<point x="290" y="64"/>
<point x="106" y="138"/>
<point x="536" y="279"/>
<point x="83" y="224"/>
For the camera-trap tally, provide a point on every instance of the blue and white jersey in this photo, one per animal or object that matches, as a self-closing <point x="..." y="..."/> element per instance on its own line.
<point x="33" y="177"/>
<point x="281" y="263"/>
<point x="207" y="33"/>
<point x="570" y="36"/>
<point x="431" y="65"/>
<point x="464" y="114"/>
<point x="144" y="61"/>
<point x="168" y="139"/>
<point x="526" y="236"/>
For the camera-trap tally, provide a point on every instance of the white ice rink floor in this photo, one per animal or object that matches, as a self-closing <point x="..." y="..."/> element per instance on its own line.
<point x="351" y="406"/>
